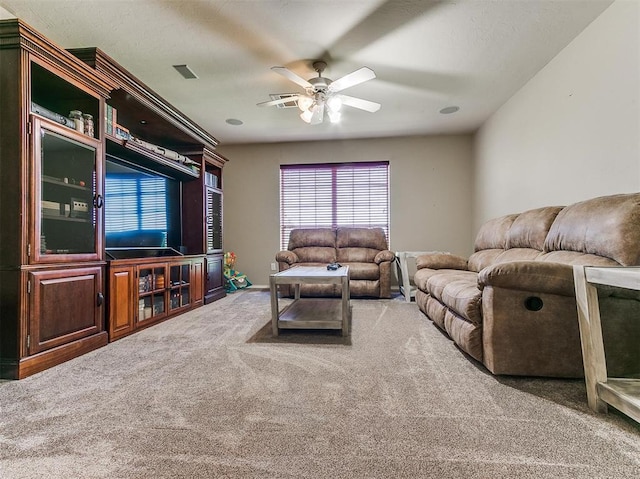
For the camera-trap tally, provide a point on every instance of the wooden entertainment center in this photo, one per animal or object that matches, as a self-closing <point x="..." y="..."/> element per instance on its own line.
<point x="73" y="278"/>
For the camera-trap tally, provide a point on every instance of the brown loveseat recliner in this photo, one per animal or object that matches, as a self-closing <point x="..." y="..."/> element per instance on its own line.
<point x="512" y="306"/>
<point x="364" y="250"/>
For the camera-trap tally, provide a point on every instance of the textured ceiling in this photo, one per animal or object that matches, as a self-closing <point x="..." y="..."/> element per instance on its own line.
<point x="427" y="55"/>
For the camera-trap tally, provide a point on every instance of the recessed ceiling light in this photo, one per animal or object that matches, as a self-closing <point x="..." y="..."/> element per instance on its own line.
<point x="449" y="109"/>
<point x="234" y="121"/>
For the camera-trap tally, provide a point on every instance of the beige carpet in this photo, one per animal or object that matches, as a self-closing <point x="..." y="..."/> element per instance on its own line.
<point x="211" y="394"/>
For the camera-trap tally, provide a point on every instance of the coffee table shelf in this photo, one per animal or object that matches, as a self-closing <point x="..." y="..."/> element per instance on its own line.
<point x="312" y="314"/>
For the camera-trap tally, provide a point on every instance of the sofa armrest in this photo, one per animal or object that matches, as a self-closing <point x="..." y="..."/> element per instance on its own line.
<point x="538" y="276"/>
<point x="439" y="260"/>
<point x="288" y="257"/>
<point x="384" y="255"/>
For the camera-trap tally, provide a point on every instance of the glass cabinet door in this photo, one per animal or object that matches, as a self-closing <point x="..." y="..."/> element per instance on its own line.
<point x="68" y="193"/>
<point x="151" y="292"/>
<point x="180" y="275"/>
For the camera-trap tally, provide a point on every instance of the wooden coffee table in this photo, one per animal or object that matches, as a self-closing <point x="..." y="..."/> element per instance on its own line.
<point x="311" y="313"/>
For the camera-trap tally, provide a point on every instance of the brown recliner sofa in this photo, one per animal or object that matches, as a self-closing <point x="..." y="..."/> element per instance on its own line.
<point x="511" y="304"/>
<point x="364" y="250"/>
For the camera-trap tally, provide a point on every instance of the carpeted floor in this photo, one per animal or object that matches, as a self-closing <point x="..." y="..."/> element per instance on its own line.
<point x="211" y="394"/>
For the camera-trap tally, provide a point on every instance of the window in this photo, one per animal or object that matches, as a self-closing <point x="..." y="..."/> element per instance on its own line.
<point x="332" y="195"/>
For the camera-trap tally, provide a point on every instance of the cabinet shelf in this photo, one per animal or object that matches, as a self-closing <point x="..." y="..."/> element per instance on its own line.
<point x="154" y="292"/>
<point x="46" y="216"/>
<point x="65" y="184"/>
<point x="141" y="156"/>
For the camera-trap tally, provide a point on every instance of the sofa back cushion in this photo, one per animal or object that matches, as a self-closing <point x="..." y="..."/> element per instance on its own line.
<point x="530" y="228"/>
<point x="483" y="258"/>
<point x="607" y="226"/>
<point x="493" y="234"/>
<point x="359" y="244"/>
<point x="313" y="245"/>
<point x="491" y="241"/>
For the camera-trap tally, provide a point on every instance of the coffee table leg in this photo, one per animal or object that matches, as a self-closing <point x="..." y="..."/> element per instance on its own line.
<point x="273" y="288"/>
<point x="346" y="309"/>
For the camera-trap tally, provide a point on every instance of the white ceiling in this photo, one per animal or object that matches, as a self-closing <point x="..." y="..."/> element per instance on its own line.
<point x="427" y="55"/>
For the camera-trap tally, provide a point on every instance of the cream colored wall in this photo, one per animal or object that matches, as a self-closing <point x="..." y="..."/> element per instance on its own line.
<point x="573" y="131"/>
<point x="5" y="14"/>
<point x="430" y="185"/>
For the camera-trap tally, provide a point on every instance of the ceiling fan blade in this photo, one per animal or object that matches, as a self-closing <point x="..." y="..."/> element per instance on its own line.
<point x="292" y="76"/>
<point x="288" y="99"/>
<point x="351" y="79"/>
<point x="354" y="102"/>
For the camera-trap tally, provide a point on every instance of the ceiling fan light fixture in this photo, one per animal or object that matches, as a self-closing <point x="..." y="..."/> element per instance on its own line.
<point x="317" y="113"/>
<point x="321" y="94"/>
<point x="305" y="102"/>
<point x="334" y="103"/>
<point x="306" y="116"/>
<point x="334" y="116"/>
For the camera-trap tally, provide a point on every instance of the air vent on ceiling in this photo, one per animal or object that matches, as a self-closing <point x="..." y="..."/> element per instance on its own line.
<point x="289" y="104"/>
<point x="185" y="71"/>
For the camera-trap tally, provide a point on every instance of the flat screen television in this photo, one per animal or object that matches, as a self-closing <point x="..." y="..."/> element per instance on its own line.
<point x="142" y="208"/>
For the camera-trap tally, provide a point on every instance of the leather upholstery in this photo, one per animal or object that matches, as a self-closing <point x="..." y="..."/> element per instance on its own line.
<point x="487" y="306"/>
<point x="364" y="250"/>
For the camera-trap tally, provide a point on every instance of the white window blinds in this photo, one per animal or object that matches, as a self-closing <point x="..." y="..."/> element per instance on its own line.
<point x="333" y="194"/>
<point x="135" y="203"/>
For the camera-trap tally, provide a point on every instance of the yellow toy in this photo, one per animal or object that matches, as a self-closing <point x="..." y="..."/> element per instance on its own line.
<point x="234" y="280"/>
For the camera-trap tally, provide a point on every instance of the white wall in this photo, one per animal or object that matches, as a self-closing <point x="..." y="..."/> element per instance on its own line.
<point x="573" y="131"/>
<point x="430" y="184"/>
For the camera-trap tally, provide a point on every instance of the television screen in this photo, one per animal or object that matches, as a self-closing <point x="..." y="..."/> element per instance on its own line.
<point x="141" y="207"/>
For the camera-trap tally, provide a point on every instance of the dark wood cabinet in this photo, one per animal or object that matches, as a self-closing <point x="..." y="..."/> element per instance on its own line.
<point x="51" y="256"/>
<point x="63" y="289"/>
<point x="64" y="306"/>
<point x="145" y="292"/>
<point x="214" y="287"/>
<point x="122" y="296"/>
<point x="197" y="281"/>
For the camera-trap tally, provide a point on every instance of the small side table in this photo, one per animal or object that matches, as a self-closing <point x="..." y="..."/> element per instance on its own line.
<point x="621" y="393"/>
<point x="404" y="282"/>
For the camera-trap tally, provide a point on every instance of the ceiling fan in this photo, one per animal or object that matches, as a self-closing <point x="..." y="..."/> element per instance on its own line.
<point x="322" y="94"/>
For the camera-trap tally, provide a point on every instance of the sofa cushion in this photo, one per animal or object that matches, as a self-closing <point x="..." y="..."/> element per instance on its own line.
<point x="302" y="237"/>
<point x="493" y="234"/>
<point x="315" y="254"/>
<point x="575" y="258"/>
<point x="530" y="228"/>
<point x="481" y="259"/>
<point x="370" y="271"/>
<point x="464" y="298"/>
<point x="422" y="276"/>
<point x="605" y="226"/>
<point x="518" y="254"/>
<point x="458" y="291"/>
<point x="441" y="260"/>
<point x="485" y="258"/>
<point x="357" y="255"/>
<point x="372" y="238"/>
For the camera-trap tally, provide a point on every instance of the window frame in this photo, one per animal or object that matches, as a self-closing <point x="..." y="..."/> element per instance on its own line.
<point x="360" y="212"/>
